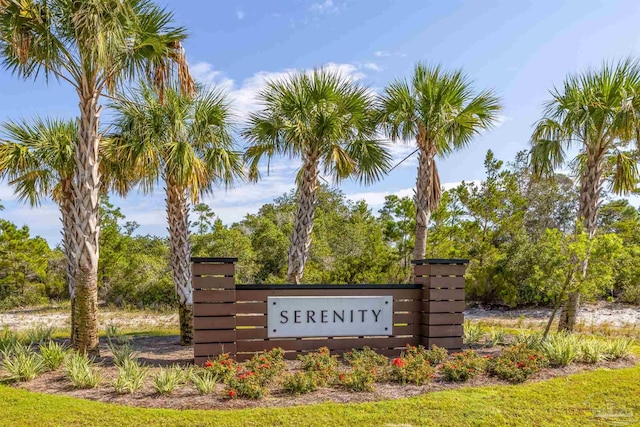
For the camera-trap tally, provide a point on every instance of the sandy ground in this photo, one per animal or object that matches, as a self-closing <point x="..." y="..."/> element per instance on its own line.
<point x="616" y="315"/>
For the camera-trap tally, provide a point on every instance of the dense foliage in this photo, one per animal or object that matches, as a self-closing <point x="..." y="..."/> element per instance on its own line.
<point x="517" y="231"/>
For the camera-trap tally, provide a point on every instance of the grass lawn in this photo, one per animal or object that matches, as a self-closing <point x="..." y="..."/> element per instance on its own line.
<point x="592" y="398"/>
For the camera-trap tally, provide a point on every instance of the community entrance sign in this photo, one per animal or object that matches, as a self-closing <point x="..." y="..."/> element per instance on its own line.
<point x="333" y="316"/>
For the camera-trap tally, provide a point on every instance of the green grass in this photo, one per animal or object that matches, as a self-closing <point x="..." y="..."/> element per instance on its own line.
<point x="582" y="399"/>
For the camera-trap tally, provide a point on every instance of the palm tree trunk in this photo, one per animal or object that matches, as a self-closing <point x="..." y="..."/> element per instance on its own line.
<point x="590" y="189"/>
<point x="178" y="218"/>
<point x="303" y="221"/>
<point x="426" y="199"/>
<point x="86" y="190"/>
<point x="69" y="248"/>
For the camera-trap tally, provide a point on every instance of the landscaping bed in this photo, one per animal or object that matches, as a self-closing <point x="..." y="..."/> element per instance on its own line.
<point x="394" y="378"/>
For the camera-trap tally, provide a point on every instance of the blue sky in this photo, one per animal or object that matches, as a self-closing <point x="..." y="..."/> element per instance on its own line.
<point x="519" y="48"/>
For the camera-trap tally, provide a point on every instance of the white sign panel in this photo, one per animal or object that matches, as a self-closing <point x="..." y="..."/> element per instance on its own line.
<point x="329" y="316"/>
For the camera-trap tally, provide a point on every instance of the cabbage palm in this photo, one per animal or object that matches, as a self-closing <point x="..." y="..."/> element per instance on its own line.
<point x="598" y="112"/>
<point x="441" y="112"/>
<point x="93" y="45"/>
<point x="327" y="121"/>
<point x="185" y="141"/>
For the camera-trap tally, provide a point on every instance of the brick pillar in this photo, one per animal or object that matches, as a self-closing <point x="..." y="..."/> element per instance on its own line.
<point x="214" y="307"/>
<point x="442" y="283"/>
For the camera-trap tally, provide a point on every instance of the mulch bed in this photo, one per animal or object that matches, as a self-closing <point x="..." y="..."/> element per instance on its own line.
<point x="164" y="351"/>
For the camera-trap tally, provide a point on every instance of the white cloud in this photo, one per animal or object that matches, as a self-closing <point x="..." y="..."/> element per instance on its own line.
<point x="372" y="66"/>
<point x="387" y="53"/>
<point x="375" y="199"/>
<point x="240" y="14"/>
<point x="325" y="7"/>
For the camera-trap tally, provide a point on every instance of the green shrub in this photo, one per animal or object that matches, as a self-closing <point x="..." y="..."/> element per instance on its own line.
<point x="167" y="379"/>
<point x="463" y="366"/>
<point x="22" y="363"/>
<point x="365" y="358"/>
<point x="358" y="379"/>
<point x="300" y="382"/>
<point x="8" y="341"/>
<point x="411" y="368"/>
<point x="618" y="348"/>
<point x="53" y="354"/>
<point x="322" y="363"/>
<point x="516" y="363"/>
<point x="496" y="336"/>
<point x="561" y="349"/>
<point x="267" y="364"/>
<point x="204" y="381"/>
<point x="472" y="333"/>
<point x="131" y="376"/>
<point x="81" y="371"/>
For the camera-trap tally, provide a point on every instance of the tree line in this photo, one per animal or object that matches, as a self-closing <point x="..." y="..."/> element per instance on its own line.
<point x="167" y="130"/>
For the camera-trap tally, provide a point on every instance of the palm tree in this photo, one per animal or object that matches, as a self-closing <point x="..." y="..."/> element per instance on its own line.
<point x="597" y="111"/>
<point x="185" y="141"/>
<point x="441" y="112"/>
<point x="326" y="120"/>
<point x="94" y="45"/>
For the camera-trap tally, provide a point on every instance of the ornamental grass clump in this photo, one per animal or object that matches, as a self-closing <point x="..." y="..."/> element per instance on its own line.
<point x="166" y="380"/>
<point x="204" y="381"/>
<point x="619" y="348"/>
<point x="131" y="376"/>
<point x="495" y="336"/>
<point x="39" y="334"/>
<point x="300" y="382"/>
<point x="123" y="353"/>
<point x="472" y="333"/>
<point x="322" y="364"/>
<point x="8" y="341"/>
<point x="21" y="363"/>
<point x="561" y="349"/>
<point x="463" y="366"/>
<point x="591" y="351"/>
<point x="53" y="354"/>
<point x="530" y="339"/>
<point x="516" y="363"/>
<point x="81" y="371"/>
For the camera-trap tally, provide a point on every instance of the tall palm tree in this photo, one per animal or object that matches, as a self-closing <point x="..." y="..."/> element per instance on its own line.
<point x="185" y="141"/>
<point x="93" y="45"/>
<point x="596" y="111"/>
<point x="441" y="112"/>
<point x="326" y="120"/>
<point x="37" y="159"/>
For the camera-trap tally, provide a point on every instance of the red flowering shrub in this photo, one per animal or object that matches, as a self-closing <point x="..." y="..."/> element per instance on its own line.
<point x="436" y="355"/>
<point x="367" y="360"/>
<point x="463" y="366"/>
<point x="301" y="382"/>
<point x="245" y="384"/>
<point x="267" y="364"/>
<point x="517" y="363"/>
<point x="358" y="379"/>
<point x="411" y="368"/>
<point x="321" y="363"/>
<point x="223" y="366"/>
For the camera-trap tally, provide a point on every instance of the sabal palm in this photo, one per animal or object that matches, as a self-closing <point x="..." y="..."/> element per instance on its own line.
<point x="441" y="112"/>
<point x="93" y="45"/>
<point x="598" y="112"/>
<point x="185" y="141"/>
<point x="327" y="121"/>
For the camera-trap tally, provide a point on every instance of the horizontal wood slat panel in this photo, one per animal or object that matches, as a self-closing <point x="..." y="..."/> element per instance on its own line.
<point x="214" y="309"/>
<point x="447" y="270"/>
<point x="261" y="333"/>
<point x="251" y="320"/>
<point x="252" y="308"/>
<point x="213" y="269"/>
<point x="210" y="322"/>
<point x="454" y="343"/>
<point x="456" y="282"/>
<point x="443" y="318"/>
<point x="412" y="305"/>
<point x="214" y="349"/>
<point x="334" y="344"/>
<point x="219" y="336"/>
<point x="214" y="296"/>
<point x="442" y="331"/>
<point x="213" y="282"/>
<point x="261" y="295"/>
<point x="444" y="306"/>
<point x="411" y="318"/>
<point x="446" y="294"/>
